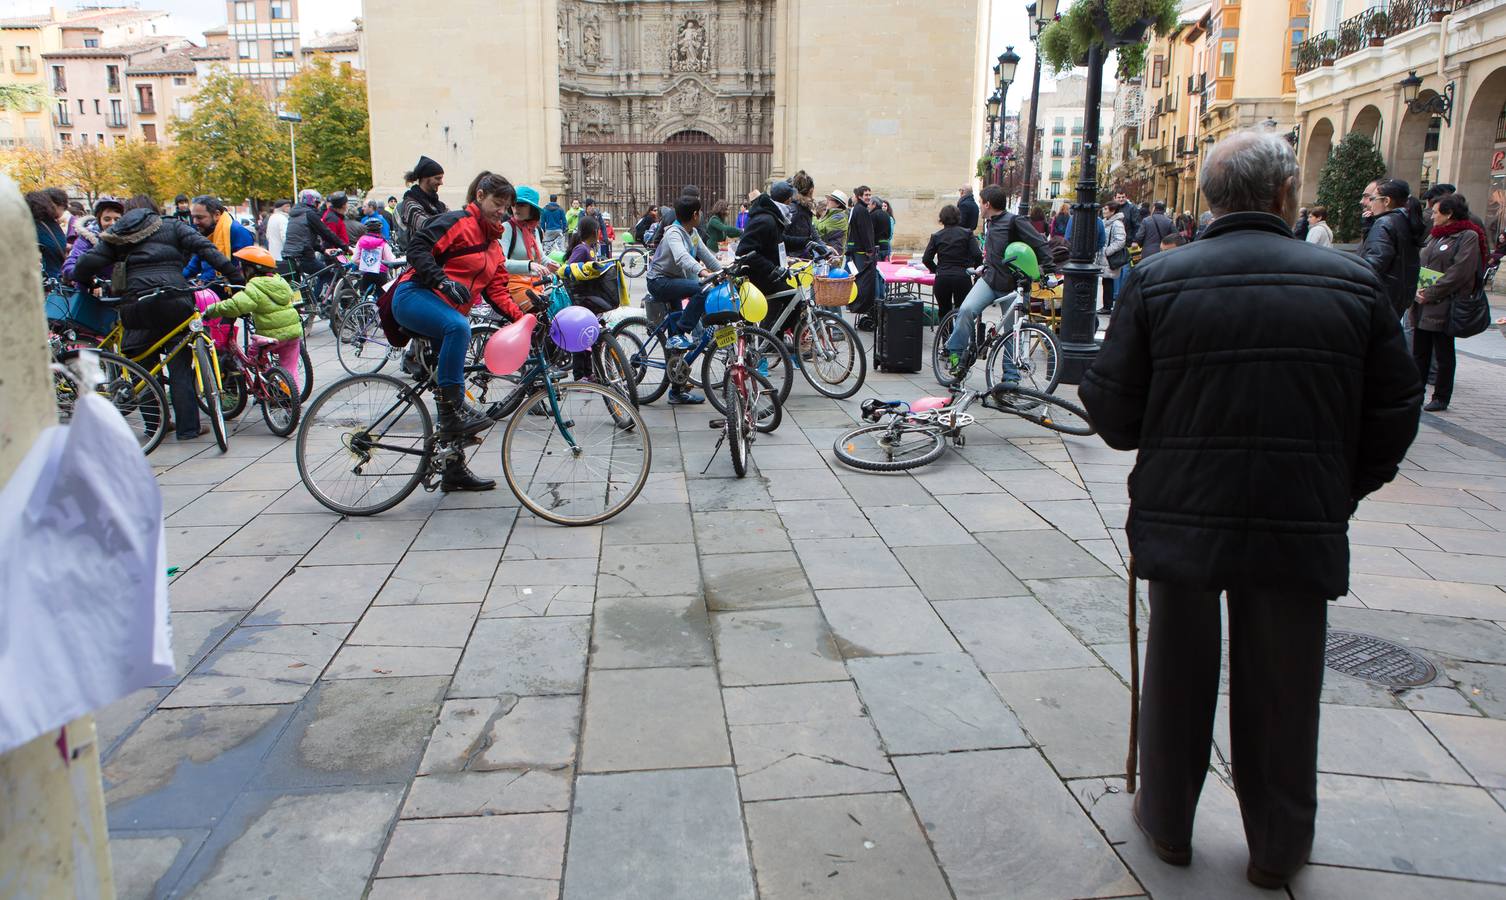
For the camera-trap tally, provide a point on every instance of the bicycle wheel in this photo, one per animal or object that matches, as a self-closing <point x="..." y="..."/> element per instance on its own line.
<point x="305" y="373"/>
<point x="646" y="357"/>
<point x="832" y="357"/>
<point x="364" y="444"/>
<point x="768" y="412"/>
<point x="890" y="448"/>
<point x="583" y="471"/>
<point x="343" y="296"/>
<point x="610" y="366"/>
<point x="279" y="406"/>
<point x="633" y="262"/>
<point x="233" y="393"/>
<point x="1045" y="410"/>
<point x="130" y="388"/>
<point x="760" y="346"/>
<point x="736" y="426"/>
<point x="1036" y="352"/>
<point x="362" y="348"/>
<point x="209" y="392"/>
<point x="938" y="347"/>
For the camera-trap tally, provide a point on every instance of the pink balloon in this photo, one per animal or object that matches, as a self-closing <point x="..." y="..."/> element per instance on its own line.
<point x="507" y="350"/>
<point x="926" y="404"/>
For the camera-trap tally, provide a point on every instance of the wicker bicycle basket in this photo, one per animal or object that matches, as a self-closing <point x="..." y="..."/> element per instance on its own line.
<point x="832" y="291"/>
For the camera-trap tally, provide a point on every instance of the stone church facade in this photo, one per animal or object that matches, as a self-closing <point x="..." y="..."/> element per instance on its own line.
<point x="626" y="101"/>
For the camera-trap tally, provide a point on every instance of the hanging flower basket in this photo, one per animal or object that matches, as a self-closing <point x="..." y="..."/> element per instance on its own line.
<point x="1109" y="24"/>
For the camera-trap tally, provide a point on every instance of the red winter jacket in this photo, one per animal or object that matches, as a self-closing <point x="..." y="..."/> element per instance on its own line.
<point x="462" y="246"/>
<point x="336" y="223"/>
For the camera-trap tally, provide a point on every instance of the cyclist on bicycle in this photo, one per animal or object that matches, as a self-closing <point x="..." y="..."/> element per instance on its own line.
<point x="268" y="299"/>
<point x="996" y="279"/>
<point x="523" y="239"/>
<point x="454" y="259"/>
<point x="307" y="236"/>
<point x="154" y="251"/>
<point x="680" y="265"/>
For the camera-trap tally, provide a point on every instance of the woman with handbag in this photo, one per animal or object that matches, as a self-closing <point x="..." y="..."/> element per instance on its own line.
<point x="1115" y="253"/>
<point x="1454" y="249"/>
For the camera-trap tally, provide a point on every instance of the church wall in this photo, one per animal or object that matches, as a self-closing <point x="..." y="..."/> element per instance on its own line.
<point x="884" y="93"/>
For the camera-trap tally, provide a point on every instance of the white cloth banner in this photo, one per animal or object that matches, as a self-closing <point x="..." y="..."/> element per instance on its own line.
<point x="83" y="575"/>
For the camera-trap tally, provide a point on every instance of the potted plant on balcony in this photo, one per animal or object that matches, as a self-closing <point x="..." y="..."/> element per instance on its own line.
<point x="1379" y="24"/>
<point x="1111" y="24"/>
<point x="1329" y="50"/>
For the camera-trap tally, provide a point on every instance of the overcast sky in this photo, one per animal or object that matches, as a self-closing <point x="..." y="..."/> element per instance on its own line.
<point x="1011" y="28"/>
<point x="191" y="17"/>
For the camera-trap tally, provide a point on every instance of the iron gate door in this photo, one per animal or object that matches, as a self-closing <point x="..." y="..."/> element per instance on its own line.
<point x="626" y="179"/>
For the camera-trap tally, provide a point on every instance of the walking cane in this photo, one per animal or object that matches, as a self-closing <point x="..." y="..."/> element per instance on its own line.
<point x="1131" y="762"/>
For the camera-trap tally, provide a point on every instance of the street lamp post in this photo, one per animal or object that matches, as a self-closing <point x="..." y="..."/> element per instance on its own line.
<point x="292" y="119"/>
<point x="1004" y="71"/>
<point x="1080" y="292"/>
<point x="1039" y="13"/>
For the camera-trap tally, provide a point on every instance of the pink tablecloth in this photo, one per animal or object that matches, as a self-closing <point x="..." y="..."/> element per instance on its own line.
<point x="903" y="273"/>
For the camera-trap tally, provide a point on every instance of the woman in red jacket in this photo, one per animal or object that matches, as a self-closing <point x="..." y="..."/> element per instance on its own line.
<point x="454" y="259"/>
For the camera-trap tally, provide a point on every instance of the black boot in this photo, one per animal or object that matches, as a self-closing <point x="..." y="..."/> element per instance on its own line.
<point x="456" y="419"/>
<point x="457" y="477"/>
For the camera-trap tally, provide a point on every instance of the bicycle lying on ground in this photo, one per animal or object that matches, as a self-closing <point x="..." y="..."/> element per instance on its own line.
<point x="573" y="453"/>
<point x="911" y="435"/>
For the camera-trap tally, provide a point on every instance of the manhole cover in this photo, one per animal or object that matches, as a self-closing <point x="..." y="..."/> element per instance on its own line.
<point x="1377" y="660"/>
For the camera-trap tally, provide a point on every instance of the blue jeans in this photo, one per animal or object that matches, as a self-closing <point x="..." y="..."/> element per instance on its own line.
<point x="978" y="299"/>
<point x="422" y="311"/>
<point x="672" y="290"/>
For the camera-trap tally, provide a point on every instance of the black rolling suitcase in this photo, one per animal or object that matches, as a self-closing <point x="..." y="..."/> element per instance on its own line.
<point x="898" y="335"/>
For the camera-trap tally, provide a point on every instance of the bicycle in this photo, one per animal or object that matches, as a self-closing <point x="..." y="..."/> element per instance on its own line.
<point x="362" y="347"/>
<point x="1033" y="347"/>
<point x="749" y="402"/>
<point x="136" y="395"/>
<point x="829" y="350"/>
<point x="633" y="259"/>
<point x="252" y="373"/>
<point x="910" y="435"/>
<point x="578" y="454"/>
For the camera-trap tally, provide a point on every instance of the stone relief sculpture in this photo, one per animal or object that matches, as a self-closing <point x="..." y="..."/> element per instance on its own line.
<point x="564" y="35"/>
<point x="690" y="98"/>
<point x="590" y="40"/>
<point x="691" y="52"/>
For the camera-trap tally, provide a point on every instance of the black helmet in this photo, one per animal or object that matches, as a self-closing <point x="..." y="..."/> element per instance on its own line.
<point x="338" y="198"/>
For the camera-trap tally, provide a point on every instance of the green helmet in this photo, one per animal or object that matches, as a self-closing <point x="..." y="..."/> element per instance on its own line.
<point x="1019" y="255"/>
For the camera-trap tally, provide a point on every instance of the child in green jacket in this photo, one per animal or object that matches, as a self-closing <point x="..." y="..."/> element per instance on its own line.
<point x="268" y="299"/>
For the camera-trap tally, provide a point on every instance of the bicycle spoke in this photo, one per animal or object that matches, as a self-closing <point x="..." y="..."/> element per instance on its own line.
<point x="596" y="477"/>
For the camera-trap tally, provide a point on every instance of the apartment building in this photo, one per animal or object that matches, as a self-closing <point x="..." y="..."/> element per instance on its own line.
<point x="343" y="48"/>
<point x="24" y="40"/>
<point x="160" y="88"/>
<point x="1425" y="79"/>
<point x="91" y="103"/>
<point x="1250" y="62"/>
<point x="1060" y="129"/>
<point x="1176" y="80"/>
<point x="264" y="42"/>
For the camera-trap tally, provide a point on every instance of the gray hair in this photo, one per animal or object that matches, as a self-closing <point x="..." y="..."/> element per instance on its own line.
<point x="1249" y="172"/>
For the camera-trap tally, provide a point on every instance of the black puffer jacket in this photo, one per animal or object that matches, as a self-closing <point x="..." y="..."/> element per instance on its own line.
<point x="154" y="251"/>
<point x="762" y="236"/>
<point x="307" y="233"/>
<point x="801" y="232"/>
<point x="1266" y="385"/>
<point x="952" y="251"/>
<point x="1391" y="248"/>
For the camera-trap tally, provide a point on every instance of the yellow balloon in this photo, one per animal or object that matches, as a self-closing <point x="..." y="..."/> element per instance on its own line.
<point x="754" y="304"/>
<point x="853" y="294"/>
<point x="800" y="278"/>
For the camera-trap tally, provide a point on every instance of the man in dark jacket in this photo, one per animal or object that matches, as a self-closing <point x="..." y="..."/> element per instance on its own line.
<point x="308" y="236"/>
<point x="1152" y="229"/>
<point x="862" y="251"/>
<point x="1266" y="387"/>
<point x="967" y="208"/>
<point x="762" y="243"/>
<point x="421" y="201"/>
<point x="154" y="251"/>
<point x="1003" y="228"/>
<point x="1393" y="243"/>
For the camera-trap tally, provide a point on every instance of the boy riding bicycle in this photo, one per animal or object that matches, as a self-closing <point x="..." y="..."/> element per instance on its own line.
<point x="680" y="263"/>
<point x="996" y="279"/>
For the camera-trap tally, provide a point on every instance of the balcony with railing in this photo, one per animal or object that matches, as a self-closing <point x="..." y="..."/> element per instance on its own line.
<point x="145" y="106"/>
<point x="117" y="121"/>
<point x="24" y="66"/>
<point x="61" y="119"/>
<point x="1371" y="28"/>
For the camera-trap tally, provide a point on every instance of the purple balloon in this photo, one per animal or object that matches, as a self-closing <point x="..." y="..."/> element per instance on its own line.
<point x="575" y="329"/>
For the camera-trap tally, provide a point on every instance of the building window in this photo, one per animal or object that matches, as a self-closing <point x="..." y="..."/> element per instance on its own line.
<point x="1056" y="147"/>
<point x="112" y="78"/>
<point x="282" y="48"/>
<point x="1056" y="189"/>
<point x="245" y="49"/>
<point x="1076" y="148"/>
<point x="281" y="9"/>
<point x="66" y="138"/>
<point x="1500" y="125"/>
<point x="97" y="110"/>
<point x="91" y="43"/>
<point x="245" y="11"/>
<point x="1060" y="127"/>
<point x="80" y="107"/>
<point x="1435" y="127"/>
<point x="1297" y="35"/>
<point x="1226" y="59"/>
<point x="100" y="139"/>
<point x="149" y="133"/>
<point x="24" y="62"/>
<point x="1156" y="67"/>
<point x="59" y="80"/>
<point x="117" y="113"/>
<point x="179" y="80"/>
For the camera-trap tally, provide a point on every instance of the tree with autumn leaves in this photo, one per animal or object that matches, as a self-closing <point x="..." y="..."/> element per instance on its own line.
<point x="334" y="140"/>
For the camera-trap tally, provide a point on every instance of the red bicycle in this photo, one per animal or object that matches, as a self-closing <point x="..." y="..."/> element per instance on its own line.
<point x="256" y="374"/>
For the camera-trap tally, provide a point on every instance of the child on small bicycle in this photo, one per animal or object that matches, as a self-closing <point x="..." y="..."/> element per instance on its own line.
<point x="268" y="299"/>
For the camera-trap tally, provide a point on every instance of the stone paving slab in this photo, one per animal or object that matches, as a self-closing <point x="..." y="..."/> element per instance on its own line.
<point x="804" y="740"/>
<point x="653" y="719"/>
<point x="934" y="704"/>
<point x="523" y="656"/>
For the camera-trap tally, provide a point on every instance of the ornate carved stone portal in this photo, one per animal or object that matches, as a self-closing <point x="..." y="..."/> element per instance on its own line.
<point x="658" y="93"/>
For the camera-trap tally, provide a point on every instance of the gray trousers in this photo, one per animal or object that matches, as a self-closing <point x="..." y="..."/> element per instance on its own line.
<point x="1276" y="643"/>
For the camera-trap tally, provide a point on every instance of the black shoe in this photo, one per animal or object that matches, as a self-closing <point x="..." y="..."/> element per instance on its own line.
<point x="457" y="477"/>
<point x="865" y="323"/>
<point x="1263" y="878"/>
<point x="1436" y="405"/>
<point x="456" y="419"/>
<point x="1171" y="854"/>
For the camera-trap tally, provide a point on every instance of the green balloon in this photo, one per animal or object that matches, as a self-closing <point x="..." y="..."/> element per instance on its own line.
<point x="1020" y="255"/>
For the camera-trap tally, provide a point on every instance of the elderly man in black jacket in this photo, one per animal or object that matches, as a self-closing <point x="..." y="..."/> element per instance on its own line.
<point x="1265" y="384"/>
<point x="967" y="208"/>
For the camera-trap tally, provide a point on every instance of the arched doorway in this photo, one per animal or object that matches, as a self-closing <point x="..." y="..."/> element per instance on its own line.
<point x="1369" y="123"/>
<point x="1319" y="146"/>
<point x="693" y="157"/>
<point x="1416" y="143"/>
<point x="1480" y="168"/>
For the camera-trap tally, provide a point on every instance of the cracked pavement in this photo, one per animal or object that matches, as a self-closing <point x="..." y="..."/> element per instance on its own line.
<point x="812" y="682"/>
